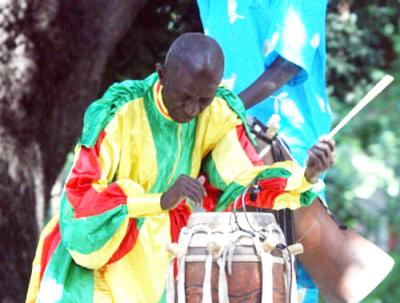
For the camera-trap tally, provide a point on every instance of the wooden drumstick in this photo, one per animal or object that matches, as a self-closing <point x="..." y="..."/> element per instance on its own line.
<point x="376" y="90"/>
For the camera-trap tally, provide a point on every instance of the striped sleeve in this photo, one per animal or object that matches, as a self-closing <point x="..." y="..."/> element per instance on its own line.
<point x="232" y="166"/>
<point x="100" y="217"/>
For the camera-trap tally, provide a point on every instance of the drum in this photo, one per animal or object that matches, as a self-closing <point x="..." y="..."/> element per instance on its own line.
<point x="229" y="257"/>
<point x="345" y="266"/>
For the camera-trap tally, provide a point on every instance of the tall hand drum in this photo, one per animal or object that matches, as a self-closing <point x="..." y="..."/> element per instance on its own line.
<point x="229" y="257"/>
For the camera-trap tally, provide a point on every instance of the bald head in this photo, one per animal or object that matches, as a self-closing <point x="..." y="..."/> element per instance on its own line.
<point x="195" y="52"/>
<point x="190" y="75"/>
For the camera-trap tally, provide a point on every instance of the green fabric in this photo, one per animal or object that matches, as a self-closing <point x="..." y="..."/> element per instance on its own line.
<point x="308" y="197"/>
<point x="165" y="137"/>
<point x="68" y="282"/>
<point x="213" y="175"/>
<point x="88" y="234"/>
<point x="101" y="111"/>
<point x="236" y="104"/>
<point x="163" y="298"/>
<point x="275" y="172"/>
<point x="233" y="191"/>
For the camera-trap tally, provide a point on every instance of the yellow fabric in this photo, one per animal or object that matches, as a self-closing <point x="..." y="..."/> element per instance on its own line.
<point x="296" y="184"/>
<point x="247" y="176"/>
<point x="287" y="200"/>
<point x="102" y="291"/>
<point x="114" y="156"/>
<point x="144" y="205"/>
<point x="230" y="159"/>
<point x="33" y="289"/>
<point x="140" y="276"/>
<point x="138" y="157"/>
<point x="128" y="155"/>
<point x="297" y="181"/>
<point x="213" y="124"/>
<point x="143" y="270"/>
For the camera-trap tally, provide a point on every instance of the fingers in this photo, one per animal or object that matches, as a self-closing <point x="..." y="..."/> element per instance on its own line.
<point x="316" y="160"/>
<point x="184" y="187"/>
<point x="330" y="142"/>
<point x="324" y="153"/>
<point x="192" y="188"/>
<point x="202" y="180"/>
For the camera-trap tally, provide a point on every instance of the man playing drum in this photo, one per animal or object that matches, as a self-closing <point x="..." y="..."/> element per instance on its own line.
<point x="143" y="147"/>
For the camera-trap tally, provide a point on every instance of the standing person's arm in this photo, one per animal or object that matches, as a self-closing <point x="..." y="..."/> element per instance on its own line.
<point x="294" y="36"/>
<point x="273" y="78"/>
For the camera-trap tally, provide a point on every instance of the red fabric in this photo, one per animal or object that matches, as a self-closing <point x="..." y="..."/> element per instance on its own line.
<point x="178" y="217"/>
<point x="49" y="245"/>
<point x="85" y="200"/>
<point x="127" y="243"/>
<point x="269" y="190"/>
<point x="213" y="195"/>
<point x="248" y="146"/>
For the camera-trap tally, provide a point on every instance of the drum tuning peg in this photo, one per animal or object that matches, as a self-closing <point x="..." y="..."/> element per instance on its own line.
<point x="175" y="250"/>
<point x="273" y="125"/>
<point x="296" y="249"/>
<point x="214" y="248"/>
<point x="269" y="244"/>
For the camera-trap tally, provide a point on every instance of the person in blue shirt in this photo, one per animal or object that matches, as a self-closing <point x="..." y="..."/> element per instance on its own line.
<point x="275" y="60"/>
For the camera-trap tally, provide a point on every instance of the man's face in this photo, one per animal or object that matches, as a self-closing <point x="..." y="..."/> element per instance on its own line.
<point x="186" y="94"/>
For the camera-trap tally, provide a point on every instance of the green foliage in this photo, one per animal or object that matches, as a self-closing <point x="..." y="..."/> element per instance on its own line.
<point x="360" y="46"/>
<point x="363" y="187"/>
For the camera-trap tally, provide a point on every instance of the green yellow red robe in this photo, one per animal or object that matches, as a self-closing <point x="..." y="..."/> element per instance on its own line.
<point x="108" y="242"/>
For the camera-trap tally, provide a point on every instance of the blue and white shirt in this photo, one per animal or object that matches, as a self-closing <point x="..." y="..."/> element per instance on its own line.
<point x="252" y="33"/>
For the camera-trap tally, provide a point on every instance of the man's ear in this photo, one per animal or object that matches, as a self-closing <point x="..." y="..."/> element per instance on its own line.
<point x="161" y="72"/>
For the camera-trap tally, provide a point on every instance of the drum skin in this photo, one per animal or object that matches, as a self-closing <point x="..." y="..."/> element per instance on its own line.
<point x="345" y="266"/>
<point x="244" y="284"/>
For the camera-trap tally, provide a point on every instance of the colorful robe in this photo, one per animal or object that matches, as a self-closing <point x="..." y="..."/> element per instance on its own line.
<point x="108" y="243"/>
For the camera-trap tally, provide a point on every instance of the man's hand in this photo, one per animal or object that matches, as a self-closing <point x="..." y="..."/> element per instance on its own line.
<point x="320" y="158"/>
<point x="184" y="187"/>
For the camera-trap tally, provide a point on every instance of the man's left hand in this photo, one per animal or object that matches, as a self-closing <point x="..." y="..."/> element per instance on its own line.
<point x="320" y="158"/>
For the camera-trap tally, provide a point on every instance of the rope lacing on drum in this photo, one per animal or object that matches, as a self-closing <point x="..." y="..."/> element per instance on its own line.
<point x="288" y="257"/>
<point x="266" y="269"/>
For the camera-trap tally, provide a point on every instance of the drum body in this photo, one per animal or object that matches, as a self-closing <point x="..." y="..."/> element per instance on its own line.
<point x="226" y="264"/>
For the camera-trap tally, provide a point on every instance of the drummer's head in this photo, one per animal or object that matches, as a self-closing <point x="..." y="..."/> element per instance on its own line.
<point x="190" y="75"/>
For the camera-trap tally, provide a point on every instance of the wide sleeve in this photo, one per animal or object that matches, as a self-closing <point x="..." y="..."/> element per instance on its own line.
<point x="232" y="166"/>
<point x="100" y="214"/>
<point x="296" y="31"/>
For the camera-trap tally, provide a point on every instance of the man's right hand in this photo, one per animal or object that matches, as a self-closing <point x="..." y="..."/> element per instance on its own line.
<point x="185" y="187"/>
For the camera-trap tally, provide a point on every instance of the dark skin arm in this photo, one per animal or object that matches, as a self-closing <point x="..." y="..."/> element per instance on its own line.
<point x="275" y="76"/>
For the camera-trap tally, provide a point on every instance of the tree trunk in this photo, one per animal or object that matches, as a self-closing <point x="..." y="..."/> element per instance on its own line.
<point x="52" y="58"/>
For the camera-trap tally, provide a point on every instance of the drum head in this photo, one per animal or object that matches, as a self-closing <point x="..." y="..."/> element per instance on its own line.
<point x="219" y="220"/>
